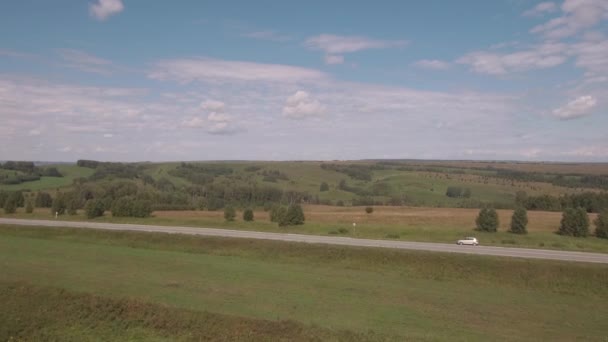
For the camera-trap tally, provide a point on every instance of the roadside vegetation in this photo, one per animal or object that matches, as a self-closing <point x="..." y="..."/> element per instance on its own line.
<point x="71" y="284"/>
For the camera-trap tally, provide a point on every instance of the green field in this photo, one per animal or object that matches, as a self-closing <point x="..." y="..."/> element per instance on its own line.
<point x="445" y="225"/>
<point x="111" y="283"/>
<point x="416" y="185"/>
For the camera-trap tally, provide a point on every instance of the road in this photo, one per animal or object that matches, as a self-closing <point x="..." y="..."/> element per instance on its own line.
<point x="330" y="240"/>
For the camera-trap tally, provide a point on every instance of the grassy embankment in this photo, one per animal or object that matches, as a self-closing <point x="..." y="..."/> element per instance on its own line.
<point x="71" y="284"/>
<point x="398" y="223"/>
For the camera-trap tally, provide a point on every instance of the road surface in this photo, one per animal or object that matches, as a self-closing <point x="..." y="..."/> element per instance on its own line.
<point x="330" y="240"/>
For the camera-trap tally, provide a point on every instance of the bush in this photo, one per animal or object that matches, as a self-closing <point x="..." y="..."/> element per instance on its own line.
<point x="519" y="221"/>
<point x="324" y="187"/>
<point x="293" y="216"/>
<point x="277" y="213"/>
<point x="29" y="207"/>
<point x="601" y="225"/>
<point x="94" y="208"/>
<point x="58" y="205"/>
<point x="487" y="220"/>
<point x="10" y="206"/>
<point x="229" y="213"/>
<point x="72" y="207"/>
<point x="575" y="222"/>
<point x="129" y="207"/>
<point x="248" y="215"/>
<point x="43" y="200"/>
<point x="369" y="210"/>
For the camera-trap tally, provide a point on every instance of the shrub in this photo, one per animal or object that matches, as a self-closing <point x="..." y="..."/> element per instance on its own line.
<point x="369" y="210"/>
<point x="94" y="208"/>
<point x="343" y="231"/>
<point x="44" y="200"/>
<point x="122" y="207"/>
<point x="10" y="206"/>
<point x="58" y="205"/>
<point x="487" y="220"/>
<point x="141" y="208"/>
<point x="575" y="222"/>
<point x="248" y="215"/>
<point x="519" y="221"/>
<point x="324" y="187"/>
<point x="340" y="203"/>
<point x="72" y="207"/>
<point x="229" y="213"/>
<point x="277" y="213"/>
<point x="293" y="216"/>
<point x="29" y="207"/>
<point x="601" y="225"/>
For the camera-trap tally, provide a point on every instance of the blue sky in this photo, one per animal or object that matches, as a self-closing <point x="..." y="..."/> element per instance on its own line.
<point x="278" y="80"/>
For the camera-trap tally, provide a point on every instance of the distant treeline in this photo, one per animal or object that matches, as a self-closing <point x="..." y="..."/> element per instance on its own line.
<point x="592" y="202"/>
<point x="25" y="172"/>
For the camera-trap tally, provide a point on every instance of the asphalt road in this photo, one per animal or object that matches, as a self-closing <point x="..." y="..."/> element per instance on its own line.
<point x="330" y="240"/>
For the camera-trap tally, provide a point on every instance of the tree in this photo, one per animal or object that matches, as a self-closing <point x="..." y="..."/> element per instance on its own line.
<point x="369" y="210"/>
<point x="94" y="208"/>
<point x="229" y="213"/>
<point x="72" y="206"/>
<point x="293" y="216"/>
<point x="58" y="205"/>
<point x="141" y="208"/>
<point x="29" y="207"/>
<point x="601" y="225"/>
<point x="10" y="205"/>
<point x="487" y="220"/>
<point x="248" y="215"/>
<point x="43" y="200"/>
<point x="519" y="221"/>
<point x="324" y="187"/>
<point x="575" y="222"/>
<point x="122" y="207"/>
<point x="277" y="213"/>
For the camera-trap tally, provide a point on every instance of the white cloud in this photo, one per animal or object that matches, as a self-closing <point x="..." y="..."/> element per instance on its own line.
<point x="577" y="108"/>
<point x="86" y="62"/>
<point x="300" y="105"/>
<point x="546" y="55"/>
<point x="334" y="59"/>
<point x="267" y="35"/>
<point x="540" y="9"/>
<point x="34" y="132"/>
<point x="194" y="122"/>
<point x="334" y="46"/>
<point x="103" y="9"/>
<point x="577" y="15"/>
<point x="432" y="64"/>
<point x="108" y="135"/>
<point x="216" y="70"/>
<point x="212" y="105"/>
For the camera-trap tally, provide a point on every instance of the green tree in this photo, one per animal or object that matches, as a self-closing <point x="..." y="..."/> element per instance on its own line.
<point x="59" y="205"/>
<point x="72" y="206"/>
<point x="601" y="225"/>
<point x="575" y="222"/>
<point x="122" y="207"/>
<point x="277" y="213"/>
<point x="487" y="220"/>
<point x="94" y="208"/>
<point x="519" y="221"/>
<point x="369" y="210"/>
<point x="10" y="205"/>
<point x="229" y="213"/>
<point x="324" y="187"/>
<point x="141" y="208"/>
<point x="29" y="207"/>
<point x="293" y="216"/>
<point x="248" y="215"/>
<point x="43" y="200"/>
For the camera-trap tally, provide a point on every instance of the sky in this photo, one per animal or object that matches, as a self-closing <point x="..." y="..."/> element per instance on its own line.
<point x="140" y="80"/>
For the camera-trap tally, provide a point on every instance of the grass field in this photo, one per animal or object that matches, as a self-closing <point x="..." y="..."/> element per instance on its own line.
<point x="76" y="283"/>
<point x="418" y="188"/>
<point x="69" y="172"/>
<point x="398" y="223"/>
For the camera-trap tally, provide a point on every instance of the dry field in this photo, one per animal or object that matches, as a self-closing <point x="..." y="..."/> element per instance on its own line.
<point x="539" y="221"/>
